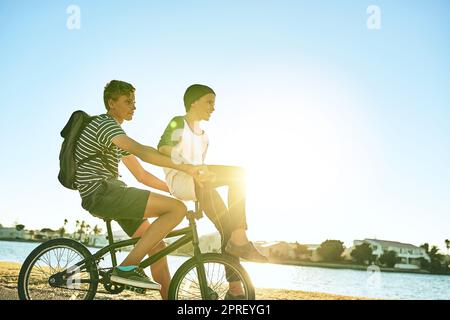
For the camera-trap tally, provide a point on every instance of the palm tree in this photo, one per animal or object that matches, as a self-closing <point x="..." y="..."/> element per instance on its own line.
<point x="88" y="233"/>
<point x="436" y="258"/>
<point x="63" y="229"/>
<point x="81" y="230"/>
<point x="300" y="250"/>
<point x="77" y="223"/>
<point x="447" y="245"/>
<point x="97" y="230"/>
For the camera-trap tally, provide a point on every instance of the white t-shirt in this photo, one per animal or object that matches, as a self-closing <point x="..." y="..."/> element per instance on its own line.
<point x="187" y="147"/>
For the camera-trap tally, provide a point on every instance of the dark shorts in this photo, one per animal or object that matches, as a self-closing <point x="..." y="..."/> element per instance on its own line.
<point x="116" y="201"/>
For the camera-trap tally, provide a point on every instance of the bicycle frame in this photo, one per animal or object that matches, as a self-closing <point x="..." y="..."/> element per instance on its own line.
<point x="189" y="234"/>
<point x="99" y="274"/>
<point x="112" y="247"/>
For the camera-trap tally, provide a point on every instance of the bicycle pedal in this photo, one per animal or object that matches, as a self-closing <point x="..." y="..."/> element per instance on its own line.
<point x="136" y="289"/>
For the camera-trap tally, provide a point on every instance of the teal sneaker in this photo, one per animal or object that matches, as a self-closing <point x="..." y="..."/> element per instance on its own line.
<point x="133" y="276"/>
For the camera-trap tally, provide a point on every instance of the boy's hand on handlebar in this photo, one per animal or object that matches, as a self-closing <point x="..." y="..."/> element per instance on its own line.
<point x="206" y="175"/>
<point x="201" y="174"/>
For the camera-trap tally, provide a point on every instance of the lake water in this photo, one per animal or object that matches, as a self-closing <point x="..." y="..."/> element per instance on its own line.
<point x="334" y="281"/>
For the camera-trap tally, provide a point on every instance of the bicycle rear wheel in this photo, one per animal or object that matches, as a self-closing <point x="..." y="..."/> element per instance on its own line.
<point x="185" y="284"/>
<point x="50" y="272"/>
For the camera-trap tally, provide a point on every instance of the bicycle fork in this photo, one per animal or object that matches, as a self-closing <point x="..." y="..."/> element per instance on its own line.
<point x="197" y="255"/>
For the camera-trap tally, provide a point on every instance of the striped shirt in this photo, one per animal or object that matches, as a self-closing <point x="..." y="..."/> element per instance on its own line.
<point x="96" y="137"/>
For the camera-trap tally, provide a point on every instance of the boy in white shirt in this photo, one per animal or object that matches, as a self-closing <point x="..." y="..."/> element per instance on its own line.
<point x="185" y="142"/>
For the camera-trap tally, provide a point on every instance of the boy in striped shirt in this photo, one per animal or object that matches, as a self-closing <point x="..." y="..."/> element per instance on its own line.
<point x="105" y="196"/>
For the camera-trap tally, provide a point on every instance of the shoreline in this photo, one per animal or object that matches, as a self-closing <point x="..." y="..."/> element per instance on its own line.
<point x="327" y="265"/>
<point x="9" y="272"/>
<point x="347" y="267"/>
<point x="299" y="263"/>
<point x="42" y="241"/>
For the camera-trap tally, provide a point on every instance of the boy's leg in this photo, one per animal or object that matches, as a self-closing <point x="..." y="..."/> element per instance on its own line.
<point x="212" y="204"/>
<point x="159" y="269"/>
<point x="129" y="206"/>
<point x="170" y="213"/>
<point x="234" y="178"/>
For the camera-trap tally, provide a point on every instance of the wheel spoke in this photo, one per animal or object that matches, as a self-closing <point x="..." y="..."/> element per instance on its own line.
<point x="76" y="284"/>
<point x="188" y="287"/>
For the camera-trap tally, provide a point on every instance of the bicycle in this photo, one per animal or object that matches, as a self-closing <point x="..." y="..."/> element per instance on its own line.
<point x="65" y="269"/>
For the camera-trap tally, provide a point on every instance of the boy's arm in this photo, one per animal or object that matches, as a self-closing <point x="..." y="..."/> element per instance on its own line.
<point x="152" y="156"/>
<point x="171" y="137"/>
<point x="142" y="175"/>
<point x="165" y="150"/>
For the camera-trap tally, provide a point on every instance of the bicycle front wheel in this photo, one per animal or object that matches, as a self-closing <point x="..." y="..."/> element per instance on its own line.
<point x="187" y="284"/>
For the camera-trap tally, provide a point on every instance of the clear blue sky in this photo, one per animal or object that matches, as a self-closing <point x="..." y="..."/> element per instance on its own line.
<point x="344" y="130"/>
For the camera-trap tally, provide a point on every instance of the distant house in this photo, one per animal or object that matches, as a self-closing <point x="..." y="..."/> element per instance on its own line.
<point x="207" y="243"/>
<point x="347" y="254"/>
<point x="409" y="255"/>
<point x="276" y="249"/>
<point x="12" y="233"/>
<point x="282" y="250"/>
<point x="119" y="235"/>
<point x="210" y="243"/>
<point x="99" y="240"/>
<point x="314" y="256"/>
<point x="46" y="233"/>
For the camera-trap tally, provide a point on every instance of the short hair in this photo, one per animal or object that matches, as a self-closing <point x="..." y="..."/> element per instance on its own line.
<point x="195" y="92"/>
<point x="116" y="88"/>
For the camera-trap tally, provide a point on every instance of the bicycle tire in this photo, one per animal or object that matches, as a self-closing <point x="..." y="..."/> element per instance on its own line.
<point x="206" y="258"/>
<point x="84" y="253"/>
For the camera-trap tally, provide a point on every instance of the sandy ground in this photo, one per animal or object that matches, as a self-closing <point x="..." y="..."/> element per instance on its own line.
<point x="9" y="273"/>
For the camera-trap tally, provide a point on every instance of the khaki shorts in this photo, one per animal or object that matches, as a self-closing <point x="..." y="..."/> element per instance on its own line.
<point x="182" y="186"/>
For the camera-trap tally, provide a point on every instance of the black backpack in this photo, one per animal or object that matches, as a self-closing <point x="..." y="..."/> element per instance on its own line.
<point x="67" y="164"/>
